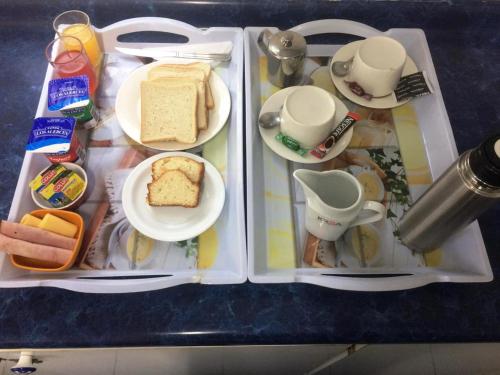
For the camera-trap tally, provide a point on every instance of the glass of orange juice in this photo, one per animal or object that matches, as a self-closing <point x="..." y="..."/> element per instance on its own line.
<point x="77" y="24"/>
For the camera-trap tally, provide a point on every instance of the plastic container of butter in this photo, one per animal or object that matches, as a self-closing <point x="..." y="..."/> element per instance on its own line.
<point x="57" y="139"/>
<point x="70" y="96"/>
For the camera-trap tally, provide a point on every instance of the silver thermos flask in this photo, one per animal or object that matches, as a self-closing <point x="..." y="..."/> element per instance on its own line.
<point x="468" y="187"/>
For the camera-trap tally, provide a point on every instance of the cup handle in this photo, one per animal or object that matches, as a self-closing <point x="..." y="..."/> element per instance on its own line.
<point x="378" y="213"/>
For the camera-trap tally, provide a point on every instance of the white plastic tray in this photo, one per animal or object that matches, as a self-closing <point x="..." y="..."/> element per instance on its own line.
<point x="230" y="265"/>
<point x="464" y="257"/>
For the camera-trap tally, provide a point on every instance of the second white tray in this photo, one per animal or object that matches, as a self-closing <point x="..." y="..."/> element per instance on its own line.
<point x="464" y="257"/>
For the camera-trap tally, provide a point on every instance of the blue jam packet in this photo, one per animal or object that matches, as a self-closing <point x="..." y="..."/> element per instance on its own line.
<point x="51" y="135"/>
<point x="71" y="97"/>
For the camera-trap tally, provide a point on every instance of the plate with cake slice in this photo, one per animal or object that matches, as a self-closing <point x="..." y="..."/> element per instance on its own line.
<point x="173" y="196"/>
<point x="169" y="105"/>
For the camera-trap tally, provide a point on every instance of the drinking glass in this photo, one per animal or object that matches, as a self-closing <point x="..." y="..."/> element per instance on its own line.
<point x="67" y="55"/>
<point x="77" y="24"/>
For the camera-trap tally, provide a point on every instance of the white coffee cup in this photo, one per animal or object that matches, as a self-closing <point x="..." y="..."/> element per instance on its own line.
<point x="377" y="65"/>
<point x="335" y="202"/>
<point x="308" y="115"/>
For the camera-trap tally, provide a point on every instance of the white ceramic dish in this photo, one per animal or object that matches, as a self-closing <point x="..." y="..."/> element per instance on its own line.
<point x="347" y="52"/>
<point x="128" y="108"/>
<point x="172" y="223"/>
<point x="42" y="203"/>
<point x="273" y="104"/>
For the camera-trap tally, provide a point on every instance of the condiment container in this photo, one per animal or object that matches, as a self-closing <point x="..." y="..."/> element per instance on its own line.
<point x="44" y="266"/>
<point x="57" y="139"/>
<point x="71" y="97"/>
<point x="64" y="194"/>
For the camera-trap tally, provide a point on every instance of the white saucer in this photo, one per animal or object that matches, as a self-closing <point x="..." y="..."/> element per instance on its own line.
<point x="128" y="108"/>
<point x="172" y="223"/>
<point x="274" y="103"/>
<point x="345" y="53"/>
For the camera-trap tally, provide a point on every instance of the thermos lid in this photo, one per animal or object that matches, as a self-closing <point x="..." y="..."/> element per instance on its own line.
<point x="485" y="161"/>
<point x="287" y="44"/>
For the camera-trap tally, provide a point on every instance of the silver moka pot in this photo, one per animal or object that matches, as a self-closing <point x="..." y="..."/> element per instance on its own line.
<point x="285" y="53"/>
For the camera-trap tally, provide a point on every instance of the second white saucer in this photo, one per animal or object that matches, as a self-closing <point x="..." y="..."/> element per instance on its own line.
<point x="345" y="53"/>
<point x="274" y="103"/>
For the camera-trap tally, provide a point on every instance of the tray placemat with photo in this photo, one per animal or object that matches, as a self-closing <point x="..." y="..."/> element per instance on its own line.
<point x="386" y="154"/>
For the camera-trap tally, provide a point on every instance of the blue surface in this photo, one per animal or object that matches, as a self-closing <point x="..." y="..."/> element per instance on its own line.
<point x="464" y="42"/>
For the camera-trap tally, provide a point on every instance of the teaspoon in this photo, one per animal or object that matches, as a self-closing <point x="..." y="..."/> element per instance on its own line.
<point x="341" y="68"/>
<point x="269" y="120"/>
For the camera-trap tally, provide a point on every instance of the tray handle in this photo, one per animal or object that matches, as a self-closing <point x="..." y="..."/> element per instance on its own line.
<point x="109" y="34"/>
<point x="336" y="26"/>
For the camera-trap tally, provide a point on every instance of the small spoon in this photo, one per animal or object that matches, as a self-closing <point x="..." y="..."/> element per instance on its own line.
<point x="341" y="68"/>
<point x="269" y="120"/>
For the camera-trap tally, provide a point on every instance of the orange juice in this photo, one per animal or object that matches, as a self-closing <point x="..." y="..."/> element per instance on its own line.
<point x="89" y="41"/>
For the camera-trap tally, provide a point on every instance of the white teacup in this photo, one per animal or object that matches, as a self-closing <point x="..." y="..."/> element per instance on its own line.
<point x="377" y="65"/>
<point x="308" y="115"/>
<point x="334" y="203"/>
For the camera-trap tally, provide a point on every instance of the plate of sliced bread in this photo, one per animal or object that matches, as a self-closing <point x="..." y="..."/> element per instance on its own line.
<point x="169" y="105"/>
<point x="173" y="196"/>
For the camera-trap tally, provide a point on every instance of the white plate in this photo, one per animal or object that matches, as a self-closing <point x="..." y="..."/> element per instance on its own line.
<point x="345" y="53"/>
<point x="128" y="108"/>
<point x="172" y="223"/>
<point x="274" y="103"/>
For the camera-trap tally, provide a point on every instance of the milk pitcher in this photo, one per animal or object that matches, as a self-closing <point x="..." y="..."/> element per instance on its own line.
<point x="334" y="202"/>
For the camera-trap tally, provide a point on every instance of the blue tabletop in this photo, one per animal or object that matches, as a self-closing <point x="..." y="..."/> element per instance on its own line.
<point x="463" y="40"/>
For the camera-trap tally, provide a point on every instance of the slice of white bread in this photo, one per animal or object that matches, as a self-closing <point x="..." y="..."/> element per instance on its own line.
<point x="201" y="116"/>
<point x="168" y="113"/>
<point x="173" y="188"/>
<point x="207" y="70"/>
<point x="186" y="70"/>
<point x="193" y="169"/>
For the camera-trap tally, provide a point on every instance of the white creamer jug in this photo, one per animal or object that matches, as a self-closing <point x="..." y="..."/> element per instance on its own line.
<point x="334" y="202"/>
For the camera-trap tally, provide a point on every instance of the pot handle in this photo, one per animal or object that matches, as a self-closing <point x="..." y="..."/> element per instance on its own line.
<point x="378" y="213"/>
<point x="263" y="40"/>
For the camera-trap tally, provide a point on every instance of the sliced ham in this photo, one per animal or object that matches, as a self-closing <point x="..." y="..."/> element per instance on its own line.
<point x="35" y="251"/>
<point x="36" y="235"/>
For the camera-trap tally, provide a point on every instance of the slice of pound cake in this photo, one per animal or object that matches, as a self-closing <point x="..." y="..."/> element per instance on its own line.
<point x="173" y="188"/>
<point x="191" y="168"/>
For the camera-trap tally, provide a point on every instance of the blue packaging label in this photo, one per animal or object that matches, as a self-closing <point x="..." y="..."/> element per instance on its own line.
<point x="66" y="91"/>
<point x="51" y="134"/>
